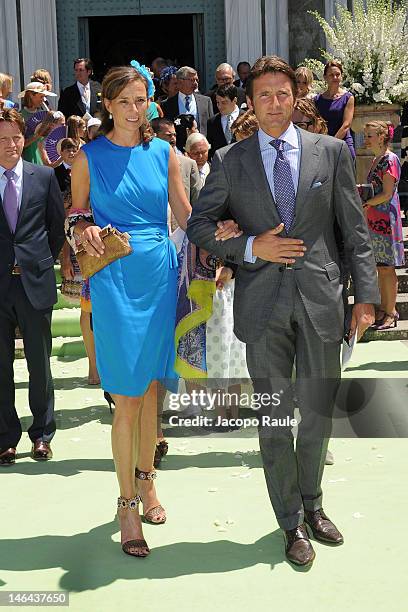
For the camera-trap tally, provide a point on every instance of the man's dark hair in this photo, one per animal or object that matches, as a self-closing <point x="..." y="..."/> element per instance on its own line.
<point x="270" y="64"/>
<point x="68" y="144"/>
<point x="88" y="63"/>
<point x="243" y="64"/>
<point x="12" y="116"/>
<point x="160" y="123"/>
<point x="227" y="91"/>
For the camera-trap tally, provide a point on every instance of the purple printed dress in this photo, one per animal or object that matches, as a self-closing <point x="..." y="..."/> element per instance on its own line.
<point x="332" y="112"/>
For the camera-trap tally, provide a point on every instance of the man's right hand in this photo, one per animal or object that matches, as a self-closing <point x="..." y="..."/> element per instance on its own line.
<point x="271" y="247"/>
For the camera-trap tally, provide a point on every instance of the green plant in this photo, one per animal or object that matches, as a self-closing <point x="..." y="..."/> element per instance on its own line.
<point x="372" y="45"/>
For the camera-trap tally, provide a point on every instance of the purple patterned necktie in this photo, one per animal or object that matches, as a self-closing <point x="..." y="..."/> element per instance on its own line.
<point x="283" y="186"/>
<point x="10" y="200"/>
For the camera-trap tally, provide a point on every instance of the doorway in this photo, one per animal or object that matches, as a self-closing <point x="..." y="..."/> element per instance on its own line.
<point x="114" y="41"/>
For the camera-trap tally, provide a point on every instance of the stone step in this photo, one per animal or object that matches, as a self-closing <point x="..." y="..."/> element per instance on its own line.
<point x="65" y="323"/>
<point x="402" y="275"/>
<point x="398" y="333"/>
<point x="61" y="347"/>
<point x="402" y="305"/>
<point x="57" y="270"/>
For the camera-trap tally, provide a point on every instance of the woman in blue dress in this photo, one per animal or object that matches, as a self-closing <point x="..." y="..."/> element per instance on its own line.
<point x="128" y="178"/>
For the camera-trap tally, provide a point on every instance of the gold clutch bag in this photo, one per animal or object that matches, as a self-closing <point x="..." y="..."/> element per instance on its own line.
<point x="116" y="246"/>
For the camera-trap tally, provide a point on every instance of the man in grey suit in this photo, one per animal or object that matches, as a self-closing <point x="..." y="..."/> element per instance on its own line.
<point x="285" y="187"/>
<point x="189" y="100"/>
<point x="165" y="130"/>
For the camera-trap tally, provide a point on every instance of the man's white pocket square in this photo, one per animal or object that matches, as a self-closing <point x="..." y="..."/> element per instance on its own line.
<point x="317" y="184"/>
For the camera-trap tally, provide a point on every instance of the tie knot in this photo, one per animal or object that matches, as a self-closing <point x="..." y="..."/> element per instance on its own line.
<point x="277" y="144"/>
<point x="9" y="174"/>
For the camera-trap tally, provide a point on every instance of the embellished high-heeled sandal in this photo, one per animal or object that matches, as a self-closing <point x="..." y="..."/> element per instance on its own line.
<point x="389" y="321"/>
<point x="151" y="516"/>
<point x="134" y="548"/>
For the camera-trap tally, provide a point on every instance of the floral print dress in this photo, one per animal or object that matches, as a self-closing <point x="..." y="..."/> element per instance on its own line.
<point x="384" y="220"/>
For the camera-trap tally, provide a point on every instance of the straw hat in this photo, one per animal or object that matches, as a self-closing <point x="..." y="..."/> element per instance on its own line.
<point x="37" y="87"/>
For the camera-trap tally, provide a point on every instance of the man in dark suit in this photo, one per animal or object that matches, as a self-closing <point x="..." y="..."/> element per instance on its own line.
<point x="219" y="132"/>
<point x="69" y="149"/>
<point x="31" y="237"/>
<point x="84" y="95"/>
<point x="285" y="187"/>
<point x="188" y="100"/>
<point x="224" y="75"/>
<point x="243" y="70"/>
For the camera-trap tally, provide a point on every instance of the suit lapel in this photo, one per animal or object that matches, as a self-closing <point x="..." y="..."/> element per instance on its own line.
<point x="199" y="109"/>
<point x="3" y="219"/>
<point x="27" y="189"/>
<point x="252" y="163"/>
<point x="223" y="140"/>
<point x="309" y="164"/>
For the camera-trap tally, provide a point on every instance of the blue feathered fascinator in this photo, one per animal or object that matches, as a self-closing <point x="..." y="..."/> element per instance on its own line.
<point x="141" y="69"/>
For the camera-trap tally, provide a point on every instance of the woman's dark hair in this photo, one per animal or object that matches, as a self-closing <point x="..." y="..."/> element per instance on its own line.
<point x="270" y="64"/>
<point x="74" y="125"/>
<point x="115" y="81"/>
<point x="308" y="108"/>
<point x="333" y="64"/>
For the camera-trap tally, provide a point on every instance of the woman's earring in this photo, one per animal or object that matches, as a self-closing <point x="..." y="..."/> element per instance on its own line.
<point x="110" y="115"/>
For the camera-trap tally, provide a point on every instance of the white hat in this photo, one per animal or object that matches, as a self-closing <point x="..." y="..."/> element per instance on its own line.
<point x="37" y="87"/>
<point x="93" y="121"/>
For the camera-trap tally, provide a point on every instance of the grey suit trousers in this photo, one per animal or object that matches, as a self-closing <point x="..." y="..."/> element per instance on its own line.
<point x="294" y="477"/>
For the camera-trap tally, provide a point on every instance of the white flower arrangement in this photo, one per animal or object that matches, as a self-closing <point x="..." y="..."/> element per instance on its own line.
<point x="372" y="45"/>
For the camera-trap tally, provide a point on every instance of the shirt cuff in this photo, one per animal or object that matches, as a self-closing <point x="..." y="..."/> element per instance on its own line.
<point x="248" y="256"/>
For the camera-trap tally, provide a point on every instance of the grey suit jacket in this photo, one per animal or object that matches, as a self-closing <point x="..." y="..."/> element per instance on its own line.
<point x="326" y="191"/>
<point x="191" y="183"/>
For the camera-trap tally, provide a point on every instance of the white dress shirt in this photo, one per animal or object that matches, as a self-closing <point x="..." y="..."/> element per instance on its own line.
<point x="18" y="170"/>
<point x="85" y="91"/>
<point x="292" y="152"/>
<point x="224" y="118"/>
<point x="182" y="105"/>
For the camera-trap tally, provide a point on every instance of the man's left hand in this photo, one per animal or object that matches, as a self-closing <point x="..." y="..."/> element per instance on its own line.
<point x="362" y="318"/>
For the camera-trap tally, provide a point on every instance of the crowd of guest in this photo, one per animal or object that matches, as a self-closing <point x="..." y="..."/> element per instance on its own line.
<point x="88" y="130"/>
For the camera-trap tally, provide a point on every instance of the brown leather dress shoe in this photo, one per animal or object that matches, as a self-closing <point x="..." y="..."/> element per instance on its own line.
<point x="322" y="527"/>
<point x="41" y="451"/>
<point x="299" y="549"/>
<point x="8" y="456"/>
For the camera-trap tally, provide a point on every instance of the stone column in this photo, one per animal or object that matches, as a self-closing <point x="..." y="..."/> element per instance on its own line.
<point x="305" y="34"/>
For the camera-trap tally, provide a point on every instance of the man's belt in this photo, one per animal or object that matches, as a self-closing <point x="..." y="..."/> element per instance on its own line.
<point x="16" y="270"/>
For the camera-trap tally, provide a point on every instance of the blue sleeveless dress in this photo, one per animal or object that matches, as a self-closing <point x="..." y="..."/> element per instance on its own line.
<point x="134" y="298"/>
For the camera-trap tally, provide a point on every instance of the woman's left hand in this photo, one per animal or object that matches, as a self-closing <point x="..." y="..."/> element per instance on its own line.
<point x="222" y="277"/>
<point x="227" y="229"/>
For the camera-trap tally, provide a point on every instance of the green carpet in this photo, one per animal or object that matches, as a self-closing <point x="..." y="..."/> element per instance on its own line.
<point x="221" y="549"/>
